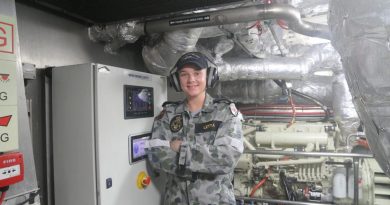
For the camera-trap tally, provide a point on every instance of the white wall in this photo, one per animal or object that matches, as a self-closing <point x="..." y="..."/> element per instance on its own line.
<point x="50" y="40"/>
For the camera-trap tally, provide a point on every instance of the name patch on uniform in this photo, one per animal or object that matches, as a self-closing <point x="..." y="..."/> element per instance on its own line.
<point x="207" y="126"/>
<point x="176" y="123"/>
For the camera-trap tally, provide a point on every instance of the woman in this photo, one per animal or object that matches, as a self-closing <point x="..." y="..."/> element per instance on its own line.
<point x="198" y="141"/>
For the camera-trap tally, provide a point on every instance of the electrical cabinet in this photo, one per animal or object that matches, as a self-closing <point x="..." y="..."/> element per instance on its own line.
<point x="102" y="115"/>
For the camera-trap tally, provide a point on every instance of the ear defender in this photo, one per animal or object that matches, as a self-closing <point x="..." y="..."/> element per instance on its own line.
<point x="212" y="77"/>
<point x="174" y="81"/>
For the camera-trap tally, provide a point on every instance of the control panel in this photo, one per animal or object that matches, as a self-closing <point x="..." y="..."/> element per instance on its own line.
<point x="137" y="147"/>
<point x="138" y="101"/>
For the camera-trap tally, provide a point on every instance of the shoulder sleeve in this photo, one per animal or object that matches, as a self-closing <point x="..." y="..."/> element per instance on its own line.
<point x="160" y="155"/>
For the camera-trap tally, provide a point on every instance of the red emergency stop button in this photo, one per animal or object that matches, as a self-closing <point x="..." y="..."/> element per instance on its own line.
<point x="146" y="181"/>
<point x="143" y="180"/>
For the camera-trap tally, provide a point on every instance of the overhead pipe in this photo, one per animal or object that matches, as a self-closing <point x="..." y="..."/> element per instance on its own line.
<point x="239" y="15"/>
<point x="130" y="31"/>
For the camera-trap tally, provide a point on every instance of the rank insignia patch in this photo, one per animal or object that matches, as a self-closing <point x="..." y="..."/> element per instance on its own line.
<point x="176" y="123"/>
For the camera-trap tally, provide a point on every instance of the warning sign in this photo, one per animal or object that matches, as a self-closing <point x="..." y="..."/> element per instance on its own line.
<point x="8" y="128"/>
<point x="8" y="84"/>
<point x="7" y="38"/>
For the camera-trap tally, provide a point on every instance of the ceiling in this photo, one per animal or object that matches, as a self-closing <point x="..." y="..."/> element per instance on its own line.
<point x="106" y="11"/>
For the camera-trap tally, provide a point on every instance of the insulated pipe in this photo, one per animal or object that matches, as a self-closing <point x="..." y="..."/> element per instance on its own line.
<point x="275" y="67"/>
<point x="290" y="162"/>
<point x="240" y="15"/>
<point x="290" y="138"/>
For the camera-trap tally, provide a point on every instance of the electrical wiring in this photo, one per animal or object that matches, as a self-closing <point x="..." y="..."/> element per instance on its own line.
<point x="281" y="84"/>
<point x="293" y="112"/>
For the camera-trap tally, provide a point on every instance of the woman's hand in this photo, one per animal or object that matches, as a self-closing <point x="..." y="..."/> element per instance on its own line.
<point x="175" y="145"/>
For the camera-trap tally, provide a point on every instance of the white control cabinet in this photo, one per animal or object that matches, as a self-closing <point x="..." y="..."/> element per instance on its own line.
<point x="101" y="116"/>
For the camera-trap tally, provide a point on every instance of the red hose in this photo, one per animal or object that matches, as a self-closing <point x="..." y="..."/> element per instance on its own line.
<point x="2" y="197"/>
<point x="258" y="185"/>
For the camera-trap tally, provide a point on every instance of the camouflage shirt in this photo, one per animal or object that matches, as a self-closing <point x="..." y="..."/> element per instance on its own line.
<point x="202" y="172"/>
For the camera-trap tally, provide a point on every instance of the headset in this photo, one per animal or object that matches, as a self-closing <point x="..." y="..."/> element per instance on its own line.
<point x="211" y="74"/>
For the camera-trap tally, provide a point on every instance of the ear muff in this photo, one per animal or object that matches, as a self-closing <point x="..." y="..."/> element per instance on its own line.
<point x="173" y="79"/>
<point x="212" y="77"/>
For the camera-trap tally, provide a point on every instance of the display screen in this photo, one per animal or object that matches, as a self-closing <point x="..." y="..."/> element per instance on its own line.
<point x="137" y="147"/>
<point x="138" y="102"/>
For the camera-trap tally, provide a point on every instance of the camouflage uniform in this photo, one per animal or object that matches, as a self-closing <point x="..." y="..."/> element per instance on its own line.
<point x="202" y="172"/>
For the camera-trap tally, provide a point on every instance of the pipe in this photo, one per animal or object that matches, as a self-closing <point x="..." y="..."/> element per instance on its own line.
<point x="290" y="138"/>
<point x="308" y="154"/>
<point x="356" y="181"/>
<point x="290" y="162"/>
<point x="345" y="114"/>
<point x="239" y="15"/>
<point x="251" y="147"/>
<point x="277" y="201"/>
<point x="117" y="35"/>
<point x="276" y="67"/>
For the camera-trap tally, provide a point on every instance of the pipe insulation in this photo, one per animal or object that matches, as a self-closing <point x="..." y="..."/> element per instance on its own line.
<point x="161" y="57"/>
<point x="360" y="33"/>
<point x="344" y="112"/>
<point x="275" y="67"/>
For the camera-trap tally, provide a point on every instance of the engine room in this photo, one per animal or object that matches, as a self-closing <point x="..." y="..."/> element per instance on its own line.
<point x="84" y="85"/>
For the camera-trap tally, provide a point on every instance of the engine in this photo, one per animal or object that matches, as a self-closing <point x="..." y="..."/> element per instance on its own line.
<point x="321" y="179"/>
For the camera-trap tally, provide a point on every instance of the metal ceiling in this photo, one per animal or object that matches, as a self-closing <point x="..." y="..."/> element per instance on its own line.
<point x="106" y="11"/>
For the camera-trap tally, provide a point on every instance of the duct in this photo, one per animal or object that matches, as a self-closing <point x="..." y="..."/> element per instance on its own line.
<point x="244" y="91"/>
<point x="115" y="35"/>
<point x="360" y="33"/>
<point x="223" y="46"/>
<point x="239" y="15"/>
<point x="275" y="67"/>
<point x="161" y="57"/>
<point x="258" y="89"/>
<point x="343" y="109"/>
<point x="266" y="91"/>
<point x="312" y="7"/>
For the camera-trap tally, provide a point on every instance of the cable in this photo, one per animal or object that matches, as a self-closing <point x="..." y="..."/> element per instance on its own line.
<point x="294" y="111"/>
<point x="3" y="191"/>
<point x="281" y="84"/>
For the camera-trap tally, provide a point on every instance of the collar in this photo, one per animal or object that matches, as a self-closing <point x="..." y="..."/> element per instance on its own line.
<point x="208" y="105"/>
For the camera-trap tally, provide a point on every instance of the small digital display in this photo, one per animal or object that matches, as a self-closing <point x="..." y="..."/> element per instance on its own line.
<point x="138" y="102"/>
<point x="137" y="147"/>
